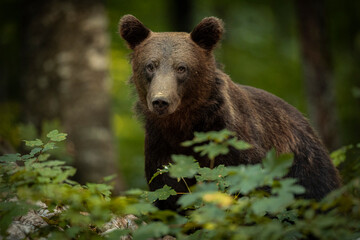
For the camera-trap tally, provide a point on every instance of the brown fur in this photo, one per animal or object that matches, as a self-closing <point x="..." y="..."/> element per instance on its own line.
<point x="181" y="69"/>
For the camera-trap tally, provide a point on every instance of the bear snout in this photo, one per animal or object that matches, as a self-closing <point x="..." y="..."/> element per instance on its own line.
<point x="163" y="105"/>
<point x="160" y="104"/>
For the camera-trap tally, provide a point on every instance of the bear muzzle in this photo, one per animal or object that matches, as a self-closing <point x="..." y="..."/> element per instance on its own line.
<point x="162" y="96"/>
<point x="162" y="105"/>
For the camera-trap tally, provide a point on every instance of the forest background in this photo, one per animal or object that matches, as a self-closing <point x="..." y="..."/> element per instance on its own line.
<point x="63" y="65"/>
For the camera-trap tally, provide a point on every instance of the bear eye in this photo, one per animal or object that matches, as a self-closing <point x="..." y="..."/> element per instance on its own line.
<point x="181" y="69"/>
<point x="150" y="68"/>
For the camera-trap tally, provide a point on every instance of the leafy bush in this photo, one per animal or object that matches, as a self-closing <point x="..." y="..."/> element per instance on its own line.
<point x="238" y="202"/>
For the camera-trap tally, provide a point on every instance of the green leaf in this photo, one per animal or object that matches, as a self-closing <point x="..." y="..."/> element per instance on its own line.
<point x="338" y="156"/>
<point x="151" y="230"/>
<point x="200" y="137"/>
<point x="13" y="157"/>
<point x="216" y="174"/>
<point x="161" y="194"/>
<point x="43" y="157"/>
<point x="283" y="198"/>
<point x="289" y="215"/>
<point x="73" y="231"/>
<point x="202" y="234"/>
<point x="35" y="151"/>
<point x="238" y="144"/>
<point x="71" y="182"/>
<point x="244" y="179"/>
<point x="55" y="136"/>
<point x="134" y="192"/>
<point x="208" y="174"/>
<point x="212" y="149"/>
<point x="52" y="163"/>
<point x="117" y="234"/>
<point x="277" y="166"/>
<point x="35" y="143"/>
<point x="110" y="178"/>
<point x="194" y="198"/>
<point x="49" y="146"/>
<point x="288" y="186"/>
<point x="26" y="157"/>
<point x="140" y="208"/>
<point x="46" y="172"/>
<point x="261" y="206"/>
<point x="43" y="179"/>
<point x="159" y="172"/>
<point x="220" y="136"/>
<point x="183" y="166"/>
<point x="208" y="214"/>
<point x="65" y="175"/>
<point x="99" y="188"/>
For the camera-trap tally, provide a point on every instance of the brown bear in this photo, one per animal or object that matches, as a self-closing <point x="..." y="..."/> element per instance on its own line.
<point x="181" y="91"/>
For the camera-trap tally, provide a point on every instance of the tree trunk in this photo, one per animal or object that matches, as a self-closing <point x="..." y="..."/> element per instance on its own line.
<point x="66" y="78"/>
<point x="318" y="70"/>
<point x="181" y="13"/>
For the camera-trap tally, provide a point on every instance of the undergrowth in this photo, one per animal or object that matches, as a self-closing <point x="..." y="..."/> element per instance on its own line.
<point x="226" y="202"/>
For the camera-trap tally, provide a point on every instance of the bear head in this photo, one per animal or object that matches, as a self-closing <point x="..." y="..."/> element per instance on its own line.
<point x="170" y="68"/>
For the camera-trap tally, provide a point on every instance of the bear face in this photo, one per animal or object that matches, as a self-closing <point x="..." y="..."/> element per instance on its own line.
<point x="166" y="64"/>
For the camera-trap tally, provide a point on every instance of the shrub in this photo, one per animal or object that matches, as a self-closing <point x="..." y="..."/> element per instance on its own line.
<point x="238" y="202"/>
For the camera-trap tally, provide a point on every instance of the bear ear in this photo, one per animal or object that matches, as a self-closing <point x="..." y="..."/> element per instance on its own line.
<point x="208" y="32"/>
<point x="132" y="30"/>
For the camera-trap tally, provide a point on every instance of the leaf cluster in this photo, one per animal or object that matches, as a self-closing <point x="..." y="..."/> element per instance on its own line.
<point x="239" y="202"/>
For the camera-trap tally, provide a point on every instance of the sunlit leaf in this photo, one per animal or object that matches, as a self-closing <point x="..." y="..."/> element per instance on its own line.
<point x="221" y="199"/>
<point x="34" y="143"/>
<point x="159" y="172"/>
<point x="196" y="196"/>
<point x="55" y="136"/>
<point x="338" y="156"/>
<point x="238" y="144"/>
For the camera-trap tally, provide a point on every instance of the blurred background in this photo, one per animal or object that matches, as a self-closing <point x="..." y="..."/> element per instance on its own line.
<point x="63" y="66"/>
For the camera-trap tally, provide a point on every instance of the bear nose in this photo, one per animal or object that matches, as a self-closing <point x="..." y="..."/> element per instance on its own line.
<point x="160" y="104"/>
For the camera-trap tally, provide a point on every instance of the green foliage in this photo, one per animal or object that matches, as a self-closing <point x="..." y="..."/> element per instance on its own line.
<point x="239" y="202"/>
<point x="216" y="143"/>
<point x="154" y="229"/>
<point x="27" y="179"/>
<point x="160" y="194"/>
<point x="183" y="167"/>
<point x="347" y="159"/>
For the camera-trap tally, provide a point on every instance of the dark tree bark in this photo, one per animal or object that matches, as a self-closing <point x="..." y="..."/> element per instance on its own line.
<point x="66" y="78"/>
<point x="318" y="69"/>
